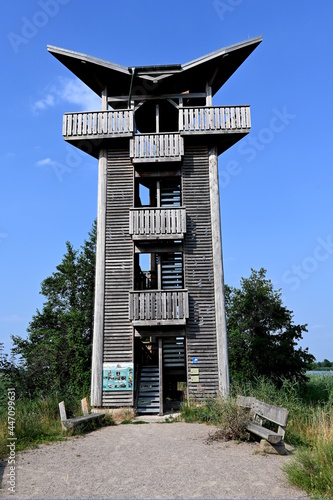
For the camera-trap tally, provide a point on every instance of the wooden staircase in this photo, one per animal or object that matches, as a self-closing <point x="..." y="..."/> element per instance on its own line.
<point x="149" y="395"/>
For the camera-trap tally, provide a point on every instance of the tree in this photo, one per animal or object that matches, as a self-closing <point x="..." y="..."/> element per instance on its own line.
<point x="57" y="351"/>
<point x="262" y="338"/>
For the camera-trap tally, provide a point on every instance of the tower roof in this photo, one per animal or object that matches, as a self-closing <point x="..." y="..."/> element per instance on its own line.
<point x="214" y="68"/>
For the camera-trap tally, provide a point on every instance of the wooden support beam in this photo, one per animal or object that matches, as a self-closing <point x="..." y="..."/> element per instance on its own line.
<point x="157" y="115"/>
<point x="97" y="351"/>
<point x="209" y="95"/>
<point x="221" y="327"/>
<point x="104" y="99"/>
<point x="160" y="368"/>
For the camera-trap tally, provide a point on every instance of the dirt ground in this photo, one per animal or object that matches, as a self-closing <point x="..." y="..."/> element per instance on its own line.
<point x="149" y="461"/>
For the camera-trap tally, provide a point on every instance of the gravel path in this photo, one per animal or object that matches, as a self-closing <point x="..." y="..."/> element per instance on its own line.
<point x="149" y="461"/>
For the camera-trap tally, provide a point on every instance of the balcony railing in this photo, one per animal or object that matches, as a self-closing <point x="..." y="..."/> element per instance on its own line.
<point x="158" y="307"/>
<point x="98" y="123"/>
<point x="214" y="119"/>
<point x="157" y="223"/>
<point x="156" y="147"/>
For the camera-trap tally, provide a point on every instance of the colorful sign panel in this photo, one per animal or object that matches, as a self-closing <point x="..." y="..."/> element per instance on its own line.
<point x="118" y="376"/>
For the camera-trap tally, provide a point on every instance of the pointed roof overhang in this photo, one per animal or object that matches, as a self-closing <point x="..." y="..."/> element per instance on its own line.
<point x="214" y="68"/>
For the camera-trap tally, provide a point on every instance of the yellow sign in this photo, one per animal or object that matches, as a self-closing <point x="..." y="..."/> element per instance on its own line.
<point x="194" y="371"/>
<point x="194" y="378"/>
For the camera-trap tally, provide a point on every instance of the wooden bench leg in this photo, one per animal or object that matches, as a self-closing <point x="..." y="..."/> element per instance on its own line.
<point x="274" y="449"/>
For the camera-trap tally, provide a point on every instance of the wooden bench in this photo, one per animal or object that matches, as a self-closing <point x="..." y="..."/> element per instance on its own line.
<point x="71" y="423"/>
<point x="259" y="413"/>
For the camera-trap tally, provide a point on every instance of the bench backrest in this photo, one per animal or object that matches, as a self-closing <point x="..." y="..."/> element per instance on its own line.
<point x="272" y="413"/>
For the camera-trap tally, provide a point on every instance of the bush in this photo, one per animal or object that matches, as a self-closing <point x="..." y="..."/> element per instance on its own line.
<point x="230" y="419"/>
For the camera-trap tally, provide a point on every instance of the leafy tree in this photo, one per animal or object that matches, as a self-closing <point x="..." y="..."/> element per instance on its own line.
<point x="57" y="351"/>
<point x="263" y="340"/>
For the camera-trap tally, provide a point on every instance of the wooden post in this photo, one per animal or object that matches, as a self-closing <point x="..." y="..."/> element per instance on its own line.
<point x="209" y="95"/>
<point x="160" y="369"/>
<point x="159" y="272"/>
<point x="157" y="118"/>
<point x="97" y="350"/>
<point x="104" y="99"/>
<point x="158" y="194"/>
<point x="221" y="327"/>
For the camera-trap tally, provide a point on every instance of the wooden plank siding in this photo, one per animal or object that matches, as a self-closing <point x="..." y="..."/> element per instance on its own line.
<point x="199" y="274"/>
<point x="118" y="330"/>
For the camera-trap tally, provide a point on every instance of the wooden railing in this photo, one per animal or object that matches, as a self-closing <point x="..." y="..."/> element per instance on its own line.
<point x="156" y="223"/>
<point x="214" y="118"/>
<point x="88" y="124"/>
<point x="156" y="147"/>
<point x="158" y="307"/>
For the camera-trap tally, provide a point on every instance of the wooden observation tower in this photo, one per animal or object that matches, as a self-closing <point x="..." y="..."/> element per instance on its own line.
<point x="159" y="324"/>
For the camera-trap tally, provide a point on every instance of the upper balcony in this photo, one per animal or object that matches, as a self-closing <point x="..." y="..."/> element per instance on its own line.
<point x="217" y="125"/>
<point x="157" y="223"/>
<point x="158" y="307"/>
<point x="156" y="147"/>
<point x="214" y="120"/>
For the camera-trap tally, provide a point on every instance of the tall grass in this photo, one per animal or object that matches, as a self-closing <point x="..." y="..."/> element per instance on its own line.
<point x="36" y="421"/>
<point x="310" y="425"/>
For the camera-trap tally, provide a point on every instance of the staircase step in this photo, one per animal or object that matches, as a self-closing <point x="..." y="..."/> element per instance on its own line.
<point x="149" y="396"/>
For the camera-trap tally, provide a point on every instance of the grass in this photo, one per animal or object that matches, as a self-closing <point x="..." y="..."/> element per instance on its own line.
<point x="38" y="421"/>
<point x="310" y="425"/>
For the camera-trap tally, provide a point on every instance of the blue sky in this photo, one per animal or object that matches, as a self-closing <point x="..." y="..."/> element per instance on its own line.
<point x="275" y="185"/>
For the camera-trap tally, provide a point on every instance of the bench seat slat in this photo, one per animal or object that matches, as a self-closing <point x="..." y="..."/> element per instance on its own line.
<point x="72" y="422"/>
<point x="271" y="436"/>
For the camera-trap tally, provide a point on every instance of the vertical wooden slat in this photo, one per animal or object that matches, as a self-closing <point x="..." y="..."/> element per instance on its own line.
<point x="181" y="119"/>
<point x="164" y="305"/>
<point x="136" y="314"/>
<point x="142" y="306"/>
<point x="202" y="121"/>
<point x="147" y="222"/>
<point x="131" y="215"/>
<point x="64" y="125"/>
<point x="233" y="116"/>
<point x="227" y="118"/>
<point x="89" y="123"/>
<point x="152" y="221"/>
<point x="79" y="124"/>
<point x="186" y="119"/>
<point x="174" y="305"/>
<point x="181" y="304"/>
<point x="74" y="124"/>
<point x="169" y="304"/>
<point x="158" y="221"/>
<point x="191" y="119"/>
<point x="153" y="305"/>
<point x="197" y="127"/>
<point x="158" y="305"/>
<point x="69" y="124"/>
<point x="147" y="305"/>
<point x="131" y="311"/>
<point x="173" y="221"/>
<point x="94" y="123"/>
<point x="218" y="119"/>
<point x="238" y="120"/>
<point x="183" y="220"/>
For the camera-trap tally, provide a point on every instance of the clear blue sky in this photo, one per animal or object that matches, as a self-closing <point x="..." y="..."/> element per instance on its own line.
<point x="275" y="185"/>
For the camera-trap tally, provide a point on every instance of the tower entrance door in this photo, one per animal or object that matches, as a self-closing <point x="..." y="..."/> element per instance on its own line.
<point x="161" y="381"/>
